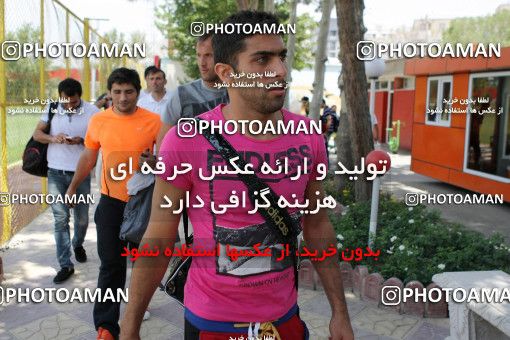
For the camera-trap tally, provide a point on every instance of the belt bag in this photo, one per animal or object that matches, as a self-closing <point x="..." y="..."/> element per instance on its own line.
<point x="179" y="266"/>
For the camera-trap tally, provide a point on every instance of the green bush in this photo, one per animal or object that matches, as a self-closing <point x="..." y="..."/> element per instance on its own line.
<point x="345" y="197"/>
<point x="415" y="243"/>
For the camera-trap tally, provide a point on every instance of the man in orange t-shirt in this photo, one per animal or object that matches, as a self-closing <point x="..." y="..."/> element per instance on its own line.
<point x="123" y="132"/>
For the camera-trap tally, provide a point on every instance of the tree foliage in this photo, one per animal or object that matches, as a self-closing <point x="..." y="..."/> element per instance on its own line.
<point x="174" y="18"/>
<point x="488" y="29"/>
<point x="305" y="29"/>
<point x="114" y="36"/>
<point x="23" y="74"/>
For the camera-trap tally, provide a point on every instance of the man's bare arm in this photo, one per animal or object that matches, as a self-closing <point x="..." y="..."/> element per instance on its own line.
<point x="162" y="132"/>
<point x="40" y="136"/>
<point x="148" y="271"/>
<point x="85" y="165"/>
<point x="319" y="234"/>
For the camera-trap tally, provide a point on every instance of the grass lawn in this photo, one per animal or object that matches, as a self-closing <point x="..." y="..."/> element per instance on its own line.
<point x="19" y="129"/>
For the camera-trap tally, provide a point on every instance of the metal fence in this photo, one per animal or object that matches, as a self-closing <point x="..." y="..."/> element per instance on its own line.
<point x="26" y="79"/>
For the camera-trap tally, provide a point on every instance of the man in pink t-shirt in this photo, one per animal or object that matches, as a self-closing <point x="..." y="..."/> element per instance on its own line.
<point x="232" y="296"/>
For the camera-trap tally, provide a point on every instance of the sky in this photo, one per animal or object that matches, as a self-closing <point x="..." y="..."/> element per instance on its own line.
<point x="129" y="16"/>
<point x="379" y="15"/>
<point x="125" y="16"/>
<point x="393" y="13"/>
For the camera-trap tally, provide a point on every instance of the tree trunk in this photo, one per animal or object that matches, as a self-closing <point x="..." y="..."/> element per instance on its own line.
<point x="320" y="60"/>
<point x="351" y="30"/>
<point x="269" y="6"/>
<point x="291" y="43"/>
<point x="243" y="5"/>
<point x="343" y="140"/>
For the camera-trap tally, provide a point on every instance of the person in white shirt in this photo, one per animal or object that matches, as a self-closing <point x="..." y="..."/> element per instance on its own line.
<point x="65" y="138"/>
<point x="157" y="98"/>
<point x="146" y="92"/>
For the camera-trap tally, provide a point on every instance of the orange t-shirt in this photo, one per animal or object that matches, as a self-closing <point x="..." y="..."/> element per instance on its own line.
<point x="121" y="137"/>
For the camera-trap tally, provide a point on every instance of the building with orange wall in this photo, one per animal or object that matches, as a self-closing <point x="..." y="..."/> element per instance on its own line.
<point x="394" y="101"/>
<point x="469" y="150"/>
<point x="61" y="74"/>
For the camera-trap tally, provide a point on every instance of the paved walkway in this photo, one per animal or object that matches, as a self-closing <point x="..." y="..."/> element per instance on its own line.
<point x="485" y="218"/>
<point x="30" y="262"/>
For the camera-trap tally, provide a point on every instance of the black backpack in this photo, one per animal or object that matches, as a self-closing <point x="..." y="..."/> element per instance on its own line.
<point x="34" y="157"/>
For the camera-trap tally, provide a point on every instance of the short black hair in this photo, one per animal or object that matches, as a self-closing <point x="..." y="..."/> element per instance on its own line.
<point x="153" y="69"/>
<point x="227" y="46"/>
<point x="124" y="75"/>
<point x="70" y="87"/>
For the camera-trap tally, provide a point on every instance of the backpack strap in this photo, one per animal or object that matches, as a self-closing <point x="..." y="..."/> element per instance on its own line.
<point x="51" y="112"/>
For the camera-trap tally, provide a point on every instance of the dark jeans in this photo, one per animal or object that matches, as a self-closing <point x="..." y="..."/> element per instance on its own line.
<point x="190" y="331"/>
<point x="58" y="182"/>
<point x="112" y="272"/>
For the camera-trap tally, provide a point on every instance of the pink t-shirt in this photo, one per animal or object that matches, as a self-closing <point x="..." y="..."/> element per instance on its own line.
<point x="249" y="289"/>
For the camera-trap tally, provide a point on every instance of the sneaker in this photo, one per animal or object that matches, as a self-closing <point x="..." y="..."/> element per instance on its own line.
<point x="104" y="334"/>
<point x="80" y="254"/>
<point x="63" y="274"/>
<point x="146" y="315"/>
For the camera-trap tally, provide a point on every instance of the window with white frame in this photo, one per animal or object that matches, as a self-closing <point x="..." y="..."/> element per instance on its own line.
<point x="439" y="95"/>
<point x="487" y="146"/>
<point x="381" y="85"/>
